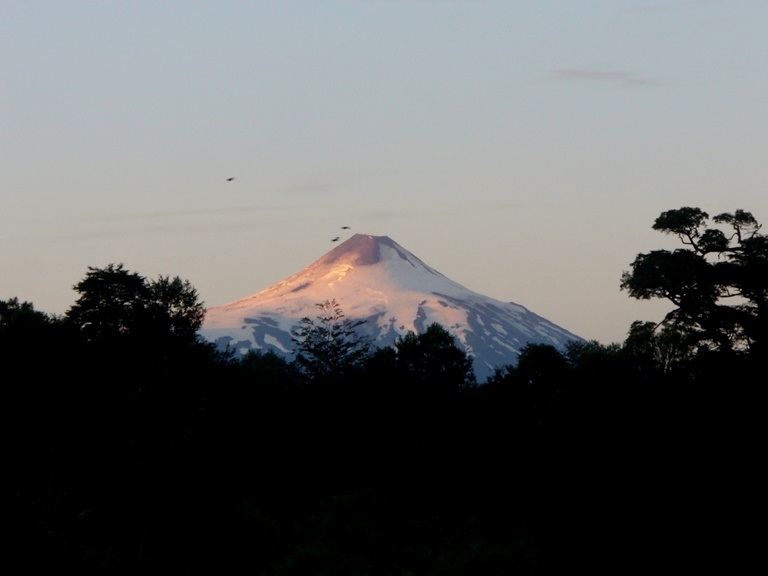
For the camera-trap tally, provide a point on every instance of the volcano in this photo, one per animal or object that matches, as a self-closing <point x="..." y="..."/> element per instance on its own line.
<point x="374" y="279"/>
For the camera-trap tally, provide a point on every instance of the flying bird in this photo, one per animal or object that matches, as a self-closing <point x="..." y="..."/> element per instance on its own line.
<point x="345" y="227"/>
<point x="230" y="179"/>
<point x="335" y="239"/>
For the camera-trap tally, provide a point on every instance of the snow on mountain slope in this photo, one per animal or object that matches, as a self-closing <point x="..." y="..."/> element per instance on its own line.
<point x="375" y="279"/>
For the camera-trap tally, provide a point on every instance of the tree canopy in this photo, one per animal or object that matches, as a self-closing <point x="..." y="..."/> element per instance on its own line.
<point x="329" y="345"/>
<point x="134" y="449"/>
<point x="433" y="359"/>
<point x="116" y="302"/>
<point x="718" y="282"/>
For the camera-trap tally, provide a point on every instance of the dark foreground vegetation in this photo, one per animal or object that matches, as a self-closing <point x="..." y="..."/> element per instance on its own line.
<point x="133" y="447"/>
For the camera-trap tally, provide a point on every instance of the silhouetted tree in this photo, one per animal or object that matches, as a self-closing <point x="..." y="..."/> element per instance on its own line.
<point x="134" y="449"/>
<point x="268" y="370"/>
<point x="536" y="381"/>
<point x="661" y="349"/>
<point x="541" y="365"/>
<point x="27" y="336"/>
<point x="115" y="302"/>
<point x="21" y="317"/>
<point x="433" y="360"/>
<point x="329" y="345"/>
<point x="112" y="303"/>
<point x="176" y="307"/>
<point x="36" y="358"/>
<point x="714" y="268"/>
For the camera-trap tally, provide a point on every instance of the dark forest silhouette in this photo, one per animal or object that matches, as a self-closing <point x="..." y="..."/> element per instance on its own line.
<point x="132" y="446"/>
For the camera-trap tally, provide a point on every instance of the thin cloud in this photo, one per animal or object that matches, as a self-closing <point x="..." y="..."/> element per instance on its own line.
<point x="603" y="76"/>
<point x="383" y="215"/>
<point x="191" y="212"/>
<point x="668" y="6"/>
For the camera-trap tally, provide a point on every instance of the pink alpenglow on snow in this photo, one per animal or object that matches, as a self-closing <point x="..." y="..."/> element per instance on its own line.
<point x="375" y="279"/>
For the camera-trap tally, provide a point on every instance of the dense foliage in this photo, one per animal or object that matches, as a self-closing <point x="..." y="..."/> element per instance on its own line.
<point x="718" y="283"/>
<point x="329" y="346"/>
<point x="133" y="447"/>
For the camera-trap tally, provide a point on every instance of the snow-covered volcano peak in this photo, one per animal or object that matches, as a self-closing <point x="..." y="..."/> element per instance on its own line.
<point x="363" y="264"/>
<point x="365" y="250"/>
<point x="374" y="279"/>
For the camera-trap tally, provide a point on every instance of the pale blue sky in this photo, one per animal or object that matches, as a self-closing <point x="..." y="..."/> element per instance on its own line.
<point x="523" y="149"/>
